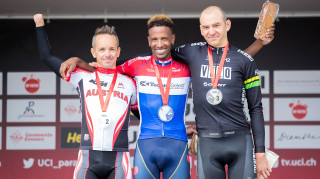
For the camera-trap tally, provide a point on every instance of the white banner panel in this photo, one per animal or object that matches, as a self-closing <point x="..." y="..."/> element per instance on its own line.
<point x="67" y="88"/>
<point x="0" y="110"/>
<point x="31" y="110"/>
<point x="265" y="109"/>
<point x="31" y="83"/>
<point x="1" y="83"/>
<point x="133" y="134"/>
<point x="0" y="139"/>
<point x="297" y="82"/>
<point x="70" y="110"/>
<point x="31" y="138"/>
<point x="264" y="81"/>
<point x="189" y="113"/>
<point x="296" y="109"/>
<point x="297" y="136"/>
<point x="267" y="136"/>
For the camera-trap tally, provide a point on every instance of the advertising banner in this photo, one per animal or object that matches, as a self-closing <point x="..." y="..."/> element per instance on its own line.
<point x="31" y="110"/>
<point x="31" y="83"/>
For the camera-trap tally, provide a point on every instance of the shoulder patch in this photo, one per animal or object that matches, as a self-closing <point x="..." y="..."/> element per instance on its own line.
<point x="199" y="44"/>
<point x="138" y="58"/>
<point x="246" y="55"/>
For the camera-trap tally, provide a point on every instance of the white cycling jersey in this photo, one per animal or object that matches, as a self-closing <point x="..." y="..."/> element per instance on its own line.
<point x="106" y="131"/>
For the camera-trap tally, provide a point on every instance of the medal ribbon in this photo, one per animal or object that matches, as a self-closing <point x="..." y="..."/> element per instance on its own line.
<point x="104" y="105"/>
<point x="215" y="78"/>
<point x="164" y="95"/>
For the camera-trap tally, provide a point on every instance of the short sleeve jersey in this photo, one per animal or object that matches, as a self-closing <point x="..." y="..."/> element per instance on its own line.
<point x="149" y="96"/>
<point x="104" y="131"/>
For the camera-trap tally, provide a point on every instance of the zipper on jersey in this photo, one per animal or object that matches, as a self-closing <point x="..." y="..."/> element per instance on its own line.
<point x="162" y="129"/>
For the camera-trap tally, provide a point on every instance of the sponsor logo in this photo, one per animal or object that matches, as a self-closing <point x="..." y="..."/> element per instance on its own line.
<point x="297" y="137"/>
<point x="120" y="85"/>
<point x="210" y="84"/>
<point x="70" y="110"/>
<point x="225" y="74"/>
<point x="28" y="163"/>
<point x="94" y="92"/>
<point x="103" y="84"/>
<point x="172" y="86"/>
<point x="256" y="72"/>
<point x="150" y="70"/>
<point x="86" y="137"/>
<point x="16" y="137"/>
<point x="227" y="59"/>
<point x="302" y="162"/>
<point x="29" y="112"/>
<point x="31" y="85"/>
<point x="199" y="44"/>
<point x="70" y="137"/>
<point x="299" y="111"/>
<point x="245" y="54"/>
<point x="175" y="70"/>
<point x="48" y="162"/>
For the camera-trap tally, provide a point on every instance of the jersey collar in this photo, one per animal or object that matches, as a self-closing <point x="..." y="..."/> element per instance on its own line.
<point x="163" y="62"/>
<point x="105" y="70"/>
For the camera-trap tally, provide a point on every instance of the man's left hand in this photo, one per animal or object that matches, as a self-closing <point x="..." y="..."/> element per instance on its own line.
<point x="190" y="130"/>
<point x="262" y="165"/>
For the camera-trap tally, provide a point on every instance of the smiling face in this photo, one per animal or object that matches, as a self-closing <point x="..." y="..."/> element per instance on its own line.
<point x="160" y="40"/>
<point x="214" y="26"/>
<point x="106" y="50"/>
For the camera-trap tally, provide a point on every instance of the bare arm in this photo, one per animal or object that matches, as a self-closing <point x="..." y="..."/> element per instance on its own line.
<point x="69" y="65"/>
<point x="257" y="45"/>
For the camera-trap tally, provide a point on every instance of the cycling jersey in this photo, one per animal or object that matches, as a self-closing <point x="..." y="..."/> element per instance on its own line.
<point x="104" y="136"/>
<point x="108" y="132"/>
<point x="239" y="80"/>
<point x="149" y="98"/>
<point x="162" y="145"/>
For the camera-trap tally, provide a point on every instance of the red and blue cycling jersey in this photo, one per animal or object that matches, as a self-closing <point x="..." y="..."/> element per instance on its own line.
<point x="149" y="97"/>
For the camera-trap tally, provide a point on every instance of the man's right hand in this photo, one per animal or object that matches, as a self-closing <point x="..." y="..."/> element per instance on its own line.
<point x="38" y="20"/>
<point x="68" y="66"/>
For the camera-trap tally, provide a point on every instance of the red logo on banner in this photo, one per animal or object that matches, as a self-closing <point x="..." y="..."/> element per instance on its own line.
<point x="31" y="85"/>
<point x="299" y="111"/>
<point x="70" y="109"/>
<point x="16" y="137"/>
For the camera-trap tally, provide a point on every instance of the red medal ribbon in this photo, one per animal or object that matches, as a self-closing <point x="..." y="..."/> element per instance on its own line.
<point x="164" y="94"/>
<point x="104" y="105"/>
<point x="215" y="78"/>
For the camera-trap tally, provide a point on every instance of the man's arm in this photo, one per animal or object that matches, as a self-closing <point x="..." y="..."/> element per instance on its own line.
<point x="44" y="47"/>
<point x="69" y="65"/>
<point x="257" y="45"/>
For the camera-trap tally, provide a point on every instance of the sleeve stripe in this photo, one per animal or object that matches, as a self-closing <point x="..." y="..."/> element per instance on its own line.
<point x="253" y="84"/>
<point x="251" y="79"/>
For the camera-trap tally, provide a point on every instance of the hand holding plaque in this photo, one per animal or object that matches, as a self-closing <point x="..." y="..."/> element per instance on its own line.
<point x="272" y="158"/>
<point x="267" y="17"/>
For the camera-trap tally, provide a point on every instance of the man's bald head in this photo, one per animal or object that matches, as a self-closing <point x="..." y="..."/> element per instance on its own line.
<point x="214" y="26"/>
<point x="212" y="11"/>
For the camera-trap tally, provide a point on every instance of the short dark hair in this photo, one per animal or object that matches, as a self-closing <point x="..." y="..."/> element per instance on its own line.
<point x="160" y="20"/>
<point x="105" y="30"/>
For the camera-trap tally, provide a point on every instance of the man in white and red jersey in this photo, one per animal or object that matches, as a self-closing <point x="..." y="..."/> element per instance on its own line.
<point x="105" y="98"/>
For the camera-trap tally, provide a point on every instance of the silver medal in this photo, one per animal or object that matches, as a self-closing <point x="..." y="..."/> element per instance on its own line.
<point x="165" y="113"/>
<point x="214" y="96"/>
